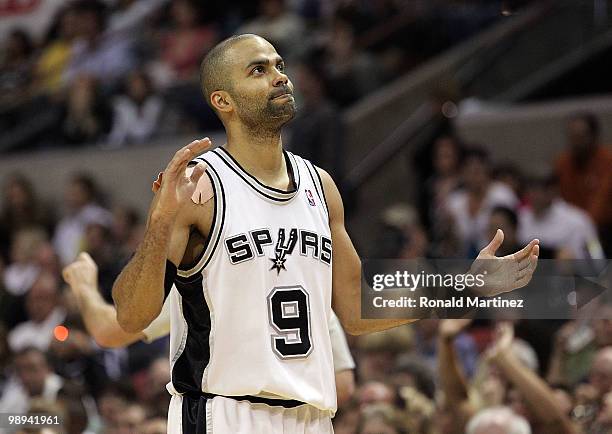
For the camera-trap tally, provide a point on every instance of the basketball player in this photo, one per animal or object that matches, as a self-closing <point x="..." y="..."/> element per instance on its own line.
<point x="250" y="349"/>
<point x="100" y="319"/>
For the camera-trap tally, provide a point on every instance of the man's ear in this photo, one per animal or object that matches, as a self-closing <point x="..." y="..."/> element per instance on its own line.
<point x="221" y="101"/>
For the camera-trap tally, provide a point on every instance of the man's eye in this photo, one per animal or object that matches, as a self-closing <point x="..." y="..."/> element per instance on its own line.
<point x="258" y="70"/>
<point x="280" y="67"/>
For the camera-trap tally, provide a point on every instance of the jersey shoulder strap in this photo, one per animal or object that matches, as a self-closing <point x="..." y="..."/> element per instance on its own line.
<point x="219" y="215"/>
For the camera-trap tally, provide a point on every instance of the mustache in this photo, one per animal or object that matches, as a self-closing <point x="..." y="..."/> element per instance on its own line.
<point x="281" y="91"/>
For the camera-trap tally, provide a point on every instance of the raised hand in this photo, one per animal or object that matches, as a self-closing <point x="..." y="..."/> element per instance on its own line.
<point x="450" y="328"/>
<point x="175" y="186"/>
<point x="504" y="336"/>
<point x="202" y="194"/>
<point x="82" y="275"/>
<point x="506" y="273"/>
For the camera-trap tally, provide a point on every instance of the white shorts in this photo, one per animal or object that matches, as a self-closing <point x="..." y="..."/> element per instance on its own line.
<point x="222" y="415"/>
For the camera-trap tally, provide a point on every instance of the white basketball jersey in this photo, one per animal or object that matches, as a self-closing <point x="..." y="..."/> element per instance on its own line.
<point x="251" y="316"/>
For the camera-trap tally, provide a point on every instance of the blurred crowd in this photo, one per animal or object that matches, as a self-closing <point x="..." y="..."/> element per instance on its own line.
<point x="122" y="72"/>
<point x="118" y="72"/>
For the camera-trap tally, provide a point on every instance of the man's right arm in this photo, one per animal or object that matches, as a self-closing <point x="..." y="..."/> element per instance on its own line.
<point x="139" y="290"/>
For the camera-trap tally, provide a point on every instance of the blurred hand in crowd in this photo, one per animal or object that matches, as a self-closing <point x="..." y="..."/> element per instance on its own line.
<point x="82" y="275"/>
<point x="450" y="328"/>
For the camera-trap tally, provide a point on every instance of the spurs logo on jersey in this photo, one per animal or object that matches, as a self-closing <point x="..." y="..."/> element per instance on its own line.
<point x="244" y="247"/>
<point x="251" y="314"/>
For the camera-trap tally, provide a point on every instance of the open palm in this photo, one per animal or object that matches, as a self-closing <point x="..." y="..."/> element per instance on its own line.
<point x="506" y="273"/>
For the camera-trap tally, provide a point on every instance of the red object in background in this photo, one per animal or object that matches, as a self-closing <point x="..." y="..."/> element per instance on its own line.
<point x="61" y="333"/>
<point x="483" y="336"/>
<point x="17" y="7"/>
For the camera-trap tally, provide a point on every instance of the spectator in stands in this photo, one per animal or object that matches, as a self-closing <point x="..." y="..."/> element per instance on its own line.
<point x="185" y="43"/>
<point x="155" y="426"/>
<point x="512" y="176"/>
<point x="23" y="270"/>
<point x="5" y="352"/>
<point x="316" y="132"/>
<point x="81" y="210"/>
<point x="446" y="160"/>
<point x="446" y="178"/>
<point x="131" y="15"/>
<point x="403" y="236"/>
<point x="16" y="69"/>
<point x="375" y="392"/>
<point x="346" y="420"/>
<point x="351" y="72"/>
<point x="87" y="118"/>
<point x="585" y="178"/>
<point x="560" y="226"/>
<point x="276" y="23"/>
<point x="104" y="56"/>
<point x="603" y="423"/>
<point x="45" y="312"/>
<point x="55" y="55"/>
<point x="498" y="420"/>
<point x="470" y="208"/>
<point x="111" y="401"/>
<point x="379" y="419"/>
<point x="34" y="378"/>
<point x="575" y="346"/>
<point x="410" y="370"/>
<point x="130" y="419"/>
<point x="125" y="227"/>
<point x="507" y="220"/>
<point x="98" y="243"/>
<point x="77" y="358"/>
<point x="601" y="371"/>
<point x="137" y="111"/>
<point x="378" y="351"/>
<point x="514" y="365"/>
<point x="21" y="208"/>
<point x="426" y="344"/>
<point x="158" y="397"/>
<point x="176" y="69"/>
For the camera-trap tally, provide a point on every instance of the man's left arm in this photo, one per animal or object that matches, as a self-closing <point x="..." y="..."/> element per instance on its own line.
<point x="504" y="274"/>
<point x="346" y="272"/>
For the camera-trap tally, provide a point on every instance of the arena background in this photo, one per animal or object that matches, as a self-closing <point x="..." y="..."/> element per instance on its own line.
<point x="407" y="103"/>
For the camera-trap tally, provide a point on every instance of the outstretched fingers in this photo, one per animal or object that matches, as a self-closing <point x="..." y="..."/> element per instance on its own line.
<point x="183" y="156"/>
<point x="525" y="251"/>
<point x="525" y="274"/>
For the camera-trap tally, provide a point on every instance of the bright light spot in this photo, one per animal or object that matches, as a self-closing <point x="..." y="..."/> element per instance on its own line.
<point x="61" y="333"/>
<point x="449" y="109"/>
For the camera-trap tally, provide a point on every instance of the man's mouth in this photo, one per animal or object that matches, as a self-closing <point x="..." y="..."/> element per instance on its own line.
<point x="281" y="95"/>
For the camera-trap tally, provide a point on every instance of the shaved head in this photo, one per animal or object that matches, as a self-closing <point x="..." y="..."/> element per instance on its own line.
<point x="244" y="82"/>
<point x="213" y="69"/>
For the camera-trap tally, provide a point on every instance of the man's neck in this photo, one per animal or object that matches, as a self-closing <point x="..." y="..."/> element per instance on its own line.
<point x="260" y="154"/>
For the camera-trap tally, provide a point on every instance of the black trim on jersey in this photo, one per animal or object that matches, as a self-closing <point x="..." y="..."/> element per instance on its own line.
<point x="271" y="193"/>
<point x="316" y="185"/>
<point x="322" y="189"/>
<point x="189" y="367"/>
<point x="217" y="206"/>
<point x="193" y="419"/>
<point x="277" y="190"/>
<point x="212" y="252"/>
<point x="210" y="232"/>
<point x="169" y="277"/>
<point x="287" y="403"/>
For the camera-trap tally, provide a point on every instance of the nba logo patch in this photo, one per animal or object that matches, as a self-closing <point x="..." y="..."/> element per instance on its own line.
<point x="311" y="200"/>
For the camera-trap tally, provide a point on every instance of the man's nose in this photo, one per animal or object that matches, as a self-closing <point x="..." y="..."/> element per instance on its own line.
<point x="280" y="79"/>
